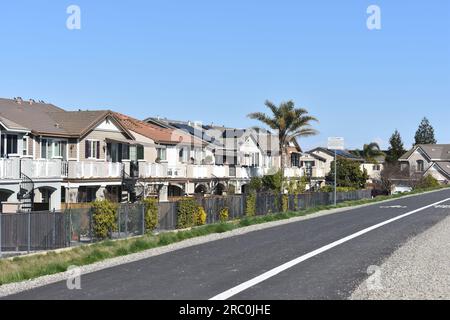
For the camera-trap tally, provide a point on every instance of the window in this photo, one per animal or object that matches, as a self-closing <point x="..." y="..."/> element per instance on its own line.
<point x="92" y="149"/>
<point x="125" y="152"/>
<point x="420" y="166"/>
<point x="309" y="164"/>
<point x="140" y="152"/>
<point x="8" y="144"/>
<point x="162" y="154"/>
<point x="376" y="167"/>
<point x="51" y="148"/>
<point x="183" y="155"/>
<point x="295" y="160"/>
<point x="58" y="149"/>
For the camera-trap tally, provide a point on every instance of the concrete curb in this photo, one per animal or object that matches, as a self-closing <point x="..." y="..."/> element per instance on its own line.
<point x="14" y="288"/>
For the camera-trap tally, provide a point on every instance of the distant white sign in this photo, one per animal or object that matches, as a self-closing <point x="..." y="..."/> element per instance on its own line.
<point x="336" y="143"/>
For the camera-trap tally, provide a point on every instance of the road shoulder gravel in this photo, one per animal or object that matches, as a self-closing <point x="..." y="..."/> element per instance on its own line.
<point x="419" y="270"/>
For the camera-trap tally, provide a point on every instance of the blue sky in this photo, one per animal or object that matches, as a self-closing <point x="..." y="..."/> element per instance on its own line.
<point x="217" y="61"/>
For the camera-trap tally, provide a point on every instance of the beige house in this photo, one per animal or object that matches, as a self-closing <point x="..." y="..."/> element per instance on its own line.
<point x="430" y="159"/>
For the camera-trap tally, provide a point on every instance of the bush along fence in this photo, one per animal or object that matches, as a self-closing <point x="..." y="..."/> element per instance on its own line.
<point x="36" y="231"/>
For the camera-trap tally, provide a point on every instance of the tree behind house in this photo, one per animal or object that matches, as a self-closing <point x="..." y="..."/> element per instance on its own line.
<point x="371" y="151"/>
<point x="289" y="122"/>
<point x="396" y="148"/>
<point x="425" y="133"/>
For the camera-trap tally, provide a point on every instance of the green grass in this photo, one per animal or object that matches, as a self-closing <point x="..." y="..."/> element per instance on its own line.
<point x="30" y="267"/>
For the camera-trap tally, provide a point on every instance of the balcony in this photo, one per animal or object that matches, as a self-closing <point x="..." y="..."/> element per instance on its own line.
<point x="35" y="169"/>
<point x="9" y="169"/>
<point x="161" y="170"/>
<point x="94" y="170"/>
<point x="294" y="172"/>
<point x="42" y="169"/>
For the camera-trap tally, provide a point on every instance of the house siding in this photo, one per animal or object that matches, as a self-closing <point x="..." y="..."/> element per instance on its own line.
<point x="37" y="149"/>
<point x="30" y="145"/>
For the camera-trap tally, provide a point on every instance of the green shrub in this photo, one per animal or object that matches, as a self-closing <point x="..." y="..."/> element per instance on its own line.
<point x="223" y="215"/>
<point x="284" y="203"/>
<point x="187" y="211"/>
<point x="428" y="182"/>
<point x="338" y="189"/>
<point x="151" y="214"/>
<point x="200" y="217"/>
<point x="255" y="184"/>
<point x="250" y="205"/>
<point x="273" y="182"/>
<point x="104" y="216"/>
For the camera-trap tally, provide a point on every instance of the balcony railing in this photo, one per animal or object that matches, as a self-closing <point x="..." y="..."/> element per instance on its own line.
<point x="9" y="169"/>
<point x="35" y="169"/>
<point x="152" y="170"/>
<point x="94" y="170"/>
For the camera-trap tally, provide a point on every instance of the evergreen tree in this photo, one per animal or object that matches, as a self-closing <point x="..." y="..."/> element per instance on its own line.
<point x="396" y="148"/>
<point x="425" y="133"/>
<point x="349" y="174"/>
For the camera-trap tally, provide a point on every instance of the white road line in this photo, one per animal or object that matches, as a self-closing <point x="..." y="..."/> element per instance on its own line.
<point x="269" y="274"/>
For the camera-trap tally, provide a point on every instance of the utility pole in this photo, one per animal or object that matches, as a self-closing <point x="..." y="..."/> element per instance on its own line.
<point x="335" y="177"/>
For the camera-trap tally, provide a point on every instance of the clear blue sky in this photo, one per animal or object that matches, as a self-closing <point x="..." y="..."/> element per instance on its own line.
<point x="217" y="61"/>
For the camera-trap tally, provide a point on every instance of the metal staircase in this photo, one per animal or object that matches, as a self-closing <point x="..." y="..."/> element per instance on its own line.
<point x="26" y="193"/>
<point x="132" y="189"/>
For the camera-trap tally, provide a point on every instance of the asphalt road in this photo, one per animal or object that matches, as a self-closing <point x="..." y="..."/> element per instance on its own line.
<point x="205" y="271"/>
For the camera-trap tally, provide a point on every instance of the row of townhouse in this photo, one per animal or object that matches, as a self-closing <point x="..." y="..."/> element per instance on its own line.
<point x="51" y="157"/>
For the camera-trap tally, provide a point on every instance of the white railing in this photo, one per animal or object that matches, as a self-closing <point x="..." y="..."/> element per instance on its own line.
<point x="93" y="169"/>
<point x="7" y="169"/>
<point x="43" y="169"/>
<point x="220" y="171"/>
<point x="177" y="171"/>
<point x="293" y="172"/>
<point x="198" y="171"/>
<point x="152" y="170"/>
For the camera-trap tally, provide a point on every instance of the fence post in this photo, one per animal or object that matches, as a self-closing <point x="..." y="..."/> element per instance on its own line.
<point x="91" y="225"/>
<point x="143" y="219"/>
<point x="29" y="232"/>
<point x="1" y="235"/>
<point x="126" y="221"/>
<point x="54" y="229"/>
<point x="118" y="220"/>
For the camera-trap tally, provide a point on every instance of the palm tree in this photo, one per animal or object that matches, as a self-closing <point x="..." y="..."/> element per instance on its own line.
<point x="371" y="151"/>
<point x="289" y="122"/>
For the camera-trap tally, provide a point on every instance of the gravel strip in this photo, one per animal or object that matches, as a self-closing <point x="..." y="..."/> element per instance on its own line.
<point x="419" y="270"/>
<point x="14" y="288"/>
